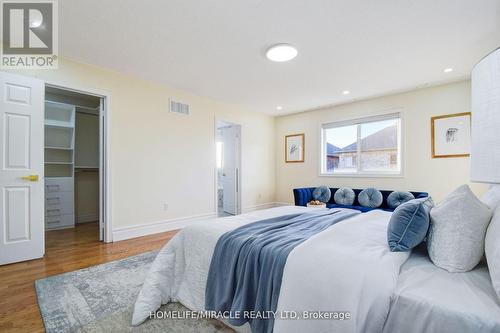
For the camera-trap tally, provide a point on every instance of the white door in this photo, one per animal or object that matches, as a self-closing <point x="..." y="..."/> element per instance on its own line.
<point x="21" y="165"/>
<point x="230" y="175"/>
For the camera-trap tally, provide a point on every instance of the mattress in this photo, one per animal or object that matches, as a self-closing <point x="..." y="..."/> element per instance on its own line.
<point x="430" y="299"/>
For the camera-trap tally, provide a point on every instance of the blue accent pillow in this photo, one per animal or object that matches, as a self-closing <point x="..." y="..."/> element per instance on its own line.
<point x="370" y="197"/>
<point x="397" y="198"/>
<point x="409" y="224"/>
<point x="344" y="196"/>
<point x="322" y="194"/>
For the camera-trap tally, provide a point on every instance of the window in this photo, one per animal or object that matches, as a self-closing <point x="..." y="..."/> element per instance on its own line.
<point x="370" y="146"/>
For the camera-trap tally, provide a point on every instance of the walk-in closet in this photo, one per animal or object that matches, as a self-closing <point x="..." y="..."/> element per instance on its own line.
<point x="72" y="150"/>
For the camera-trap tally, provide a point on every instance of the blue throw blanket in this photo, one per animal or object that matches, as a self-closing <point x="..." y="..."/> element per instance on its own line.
<point x="248" y="262"/>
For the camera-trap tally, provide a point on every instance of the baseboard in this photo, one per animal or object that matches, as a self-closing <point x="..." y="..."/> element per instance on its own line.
<point x="140" y="230"/>
<point x="263" y="206"/>
<point x="84" y="218"/>
<point x="279" y="204"/>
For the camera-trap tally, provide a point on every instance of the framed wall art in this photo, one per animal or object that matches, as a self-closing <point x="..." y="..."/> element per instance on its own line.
<point x="294" y="148"/>
<point x="451" y="135"/>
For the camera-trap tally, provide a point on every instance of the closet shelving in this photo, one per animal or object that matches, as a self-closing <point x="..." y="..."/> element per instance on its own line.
<point x="61" y="153"/>
<point x="59" y="164"/>
<point x="59" y="139"/>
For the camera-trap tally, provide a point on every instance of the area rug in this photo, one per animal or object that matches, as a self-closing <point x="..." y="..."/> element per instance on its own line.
<point x="100" y="299"/>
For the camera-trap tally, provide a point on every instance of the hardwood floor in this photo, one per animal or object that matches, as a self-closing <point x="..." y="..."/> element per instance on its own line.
<point x="65" y="250"/>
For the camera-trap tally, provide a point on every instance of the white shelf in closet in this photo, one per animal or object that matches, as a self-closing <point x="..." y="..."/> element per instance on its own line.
<point x="59" y="137"/>
<point x="59" y="163"/>
<point x="59" y="114"/>
<point x="59" y="124"/>
<point x="86" y="167"/>
<point x="57" y="148"/>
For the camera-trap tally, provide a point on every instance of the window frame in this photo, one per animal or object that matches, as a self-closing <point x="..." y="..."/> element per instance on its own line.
<point x="358" y="121"/>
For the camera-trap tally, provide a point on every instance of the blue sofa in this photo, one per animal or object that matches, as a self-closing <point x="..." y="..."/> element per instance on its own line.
<point x="304" y="195"/>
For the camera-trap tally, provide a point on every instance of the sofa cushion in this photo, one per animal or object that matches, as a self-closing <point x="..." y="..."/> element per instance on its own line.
<point x="322" y="194"/>
<point x="370" y="197"/>
<point x="344" y="196"/>
<point x="458" y="227"/>
<point x="409" y="224"/>
<point x="397" y="198"/>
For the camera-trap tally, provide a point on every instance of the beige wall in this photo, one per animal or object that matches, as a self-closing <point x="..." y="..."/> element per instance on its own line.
<point x="159" y="157"/>
<point x="421" y="172"/>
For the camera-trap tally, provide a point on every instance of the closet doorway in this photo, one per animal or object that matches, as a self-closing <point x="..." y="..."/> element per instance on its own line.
<point x="228" y="166"/>
<point x="73" y="163"/>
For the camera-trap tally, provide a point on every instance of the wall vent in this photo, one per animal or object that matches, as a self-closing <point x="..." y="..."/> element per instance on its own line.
<point x="178" y="107"/>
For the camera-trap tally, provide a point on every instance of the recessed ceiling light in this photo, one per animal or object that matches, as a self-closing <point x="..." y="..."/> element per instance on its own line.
<point x="279" y="108"/>
<point x="448" y="70"/>
<point x="346" y="92"/>
<point x="281" y="52"/>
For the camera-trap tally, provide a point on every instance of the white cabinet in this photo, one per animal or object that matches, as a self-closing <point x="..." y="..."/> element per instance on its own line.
<point x="59" y="203"/>
<point x="59" y="222"/>
<point x="59" y="184"/>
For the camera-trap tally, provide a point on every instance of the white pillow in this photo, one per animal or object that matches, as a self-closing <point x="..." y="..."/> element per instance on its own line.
<point x="492" y="197"/>
<point x="492" y="249"/>
<point x="457" y="231"/>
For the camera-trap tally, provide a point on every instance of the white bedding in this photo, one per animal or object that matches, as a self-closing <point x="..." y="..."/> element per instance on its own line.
<point x="179" y="272"/>
<point x="347" y="267"/>
<point x="430" y="299"/>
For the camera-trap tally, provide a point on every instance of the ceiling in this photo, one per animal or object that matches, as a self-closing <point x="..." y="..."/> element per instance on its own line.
<point x="216" y="48"/>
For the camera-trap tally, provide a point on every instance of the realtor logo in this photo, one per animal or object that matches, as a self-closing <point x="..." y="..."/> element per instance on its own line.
<point x="29" y="34"/>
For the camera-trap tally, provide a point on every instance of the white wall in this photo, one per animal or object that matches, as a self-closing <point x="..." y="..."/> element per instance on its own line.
<point x="159" y="157"/>
<point x="86" y="139"/>
<point x="86" y="196"/>
<point x="87" y="155"/>
<point x="421" y="172"/>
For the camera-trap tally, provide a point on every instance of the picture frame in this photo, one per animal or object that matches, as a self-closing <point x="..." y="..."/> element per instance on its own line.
<point x="294" y="148"/>
<point x="451" y="135"/>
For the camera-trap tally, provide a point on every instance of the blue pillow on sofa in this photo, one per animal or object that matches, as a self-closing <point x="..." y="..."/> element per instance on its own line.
<point x="397" y="198"/>
<point x="409" y="224"/>
<point x="370" y="197"/>
<point x="322" y="194"/>
<point x="344" y="196"/>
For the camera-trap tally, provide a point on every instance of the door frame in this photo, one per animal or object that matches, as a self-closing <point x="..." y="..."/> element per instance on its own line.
<point x="238" y="163"/>
<point x="104" y="160"/>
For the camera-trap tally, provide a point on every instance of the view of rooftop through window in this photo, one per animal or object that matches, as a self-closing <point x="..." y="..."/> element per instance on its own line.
<point x="370" y="146"/>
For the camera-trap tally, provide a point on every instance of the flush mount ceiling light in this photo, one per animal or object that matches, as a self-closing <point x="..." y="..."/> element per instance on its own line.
<point x="279" y="108"/>
<point x="281" y="52"/>
<point x="448" y="70"/>
<point x="346" y="92"/>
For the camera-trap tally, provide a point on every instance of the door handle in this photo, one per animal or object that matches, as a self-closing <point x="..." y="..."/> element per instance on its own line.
<point x="31" y="178"/>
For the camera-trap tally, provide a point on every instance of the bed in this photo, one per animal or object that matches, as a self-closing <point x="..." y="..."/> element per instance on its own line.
<point x="430" y="299"/>
<point x="345" y="268"/>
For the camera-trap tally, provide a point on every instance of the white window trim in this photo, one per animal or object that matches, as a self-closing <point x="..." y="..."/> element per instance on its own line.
<point x="363" y="174"/>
